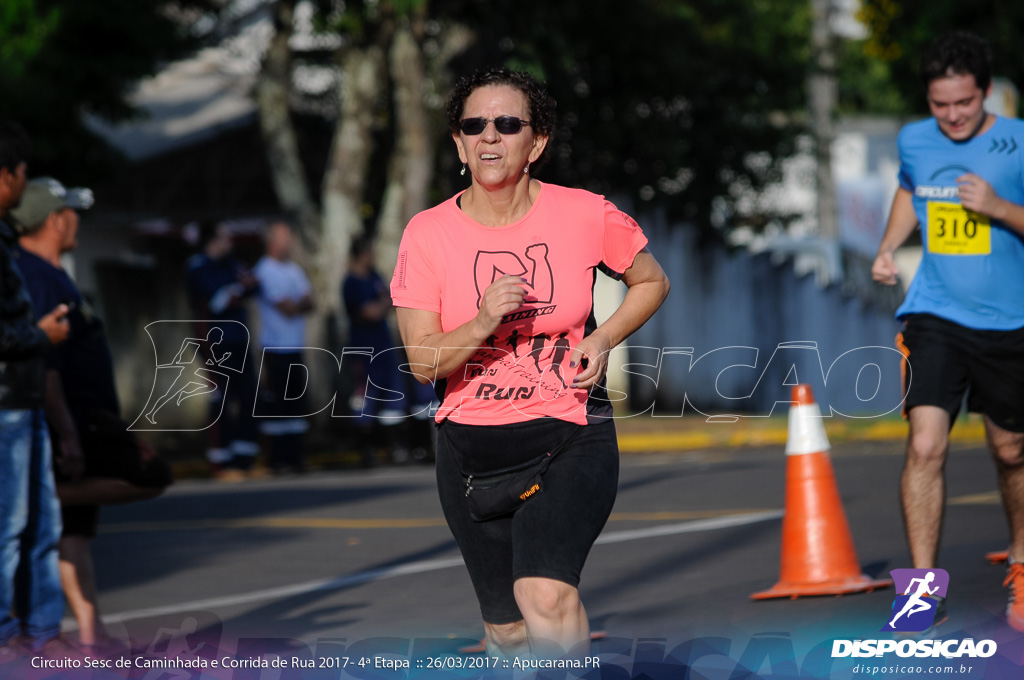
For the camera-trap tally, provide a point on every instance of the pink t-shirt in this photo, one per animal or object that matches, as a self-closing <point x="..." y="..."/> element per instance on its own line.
<point x="447" y="261"/>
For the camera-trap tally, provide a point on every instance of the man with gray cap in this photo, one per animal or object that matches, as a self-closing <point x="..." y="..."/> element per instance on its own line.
<point x="29" y="523"/>
<point x="82" y="406"/>
<point x="46" y="201"/>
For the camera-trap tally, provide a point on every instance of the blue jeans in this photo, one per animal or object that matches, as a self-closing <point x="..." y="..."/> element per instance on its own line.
<point x="30" y="529"/>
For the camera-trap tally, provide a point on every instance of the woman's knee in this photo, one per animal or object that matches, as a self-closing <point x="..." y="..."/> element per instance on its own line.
<point x="546" y="597"/>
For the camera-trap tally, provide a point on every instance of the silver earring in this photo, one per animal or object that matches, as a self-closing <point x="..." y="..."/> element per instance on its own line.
<point x="463" y="172"/>
<point x="526" y="170"/>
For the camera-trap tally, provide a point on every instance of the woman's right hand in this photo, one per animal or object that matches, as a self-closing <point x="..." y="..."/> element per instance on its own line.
<point x="503" y="296"/>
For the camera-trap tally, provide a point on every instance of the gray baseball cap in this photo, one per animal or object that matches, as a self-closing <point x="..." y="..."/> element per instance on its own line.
<point x="44" y="195"/>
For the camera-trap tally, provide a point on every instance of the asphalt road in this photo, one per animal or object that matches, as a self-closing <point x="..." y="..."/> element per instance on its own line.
<point x="360" y="563"/>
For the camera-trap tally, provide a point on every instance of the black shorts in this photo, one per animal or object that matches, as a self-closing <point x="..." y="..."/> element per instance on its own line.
<point x="110" y="450"/>
<point x="948" y="360"/>
<point x="551" y="534"/>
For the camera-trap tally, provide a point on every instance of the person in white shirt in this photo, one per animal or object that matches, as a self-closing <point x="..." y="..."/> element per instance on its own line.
<point x="285" y="298"/>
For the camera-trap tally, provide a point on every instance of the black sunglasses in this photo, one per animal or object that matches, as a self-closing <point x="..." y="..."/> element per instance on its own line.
<point x="506" y="125"/>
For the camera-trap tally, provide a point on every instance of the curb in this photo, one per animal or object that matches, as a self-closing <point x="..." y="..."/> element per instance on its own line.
<point x="744" y="435"/>
<point x="638" y="437"/>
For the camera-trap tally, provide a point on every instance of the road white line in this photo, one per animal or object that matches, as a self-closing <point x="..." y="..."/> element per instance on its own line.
<point x="370" y="575"/>
<point x="287" y="591"/>
<point x="688" y="527"/>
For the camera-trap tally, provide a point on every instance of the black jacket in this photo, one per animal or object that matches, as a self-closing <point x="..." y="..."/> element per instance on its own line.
<point x="23" y="346"/>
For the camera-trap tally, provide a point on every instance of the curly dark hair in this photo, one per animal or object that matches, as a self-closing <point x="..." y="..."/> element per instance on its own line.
<point x="542" y="105"/>
<point x="957" y="53"/>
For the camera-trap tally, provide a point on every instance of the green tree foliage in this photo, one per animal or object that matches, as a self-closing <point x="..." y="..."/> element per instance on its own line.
<point x="676" y="103"/>
<point x="63" y="58"/>
<point x="23" y="31"/>
<point x="866" y="84"/>
<point x="879" y="74"/>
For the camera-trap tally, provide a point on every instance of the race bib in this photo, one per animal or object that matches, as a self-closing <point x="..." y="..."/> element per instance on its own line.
<point x="953" y="230"/>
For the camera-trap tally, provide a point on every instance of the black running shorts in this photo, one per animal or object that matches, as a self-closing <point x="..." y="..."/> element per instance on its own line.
<point x="551" y="534"/>
<point x="947" y="360"/>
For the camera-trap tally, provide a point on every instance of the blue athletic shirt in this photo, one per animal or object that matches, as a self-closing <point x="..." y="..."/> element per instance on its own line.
<point x="972" y="272"/>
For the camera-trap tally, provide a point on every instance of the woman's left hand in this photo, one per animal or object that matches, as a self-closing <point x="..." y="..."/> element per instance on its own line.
<point x="590" y="358"/>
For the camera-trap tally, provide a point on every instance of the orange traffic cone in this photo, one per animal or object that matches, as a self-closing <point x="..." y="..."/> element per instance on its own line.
<point x="997" y="557"/>
<point x="818" y="557"/>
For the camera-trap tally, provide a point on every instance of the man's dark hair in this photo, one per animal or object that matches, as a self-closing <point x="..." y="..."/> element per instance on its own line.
<point x="360" y="245"/>
<point x="14" y="145"/>
<point x="542" y="106"/>
<point x="207" y="232"/>
<point x="958" y="53"/>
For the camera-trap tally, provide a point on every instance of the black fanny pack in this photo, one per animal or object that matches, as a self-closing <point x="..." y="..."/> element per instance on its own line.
<point x="498" y="493"/>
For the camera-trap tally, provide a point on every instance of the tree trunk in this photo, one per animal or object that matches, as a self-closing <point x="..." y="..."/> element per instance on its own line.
<point x="411" y="167"/>
<point x="279" y="138"/>
<point x="290" y="183"/>
<point x="824" y="96"/>
<point x="363" y="84"/>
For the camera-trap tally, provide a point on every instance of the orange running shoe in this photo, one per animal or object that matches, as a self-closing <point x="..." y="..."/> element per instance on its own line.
<point x="1015" y="607"/>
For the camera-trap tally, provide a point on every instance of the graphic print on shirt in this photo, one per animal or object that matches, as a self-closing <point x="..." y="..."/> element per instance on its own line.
<point x="555" y="353"/>
<point x="533" y="267"/>
<point x="1003" y="145"/>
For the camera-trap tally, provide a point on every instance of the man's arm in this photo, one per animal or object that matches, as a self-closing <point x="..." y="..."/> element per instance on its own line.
<point x="25" y="341"/>
<point x="22" y="341"/>
<point x="305" y="304"/>
<point x="902" y="223"/>
<point x="296" y="307"/>
<point x="375" y="310"/>
<point x="20" y="338"/>
<point x="978" y="196"/>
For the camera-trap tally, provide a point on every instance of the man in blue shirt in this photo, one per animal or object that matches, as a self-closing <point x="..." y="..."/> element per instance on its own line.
<point x="219" y="287"/>
<point x="962" y="181"/>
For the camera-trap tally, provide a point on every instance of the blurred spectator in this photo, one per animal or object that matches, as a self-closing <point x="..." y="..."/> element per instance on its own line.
<point x="31" y="603"/>
<point x="218" y="285"/>
<point x="285" y="298"/>
<point x="81" y="405"/>
<point x="383" y="397"/>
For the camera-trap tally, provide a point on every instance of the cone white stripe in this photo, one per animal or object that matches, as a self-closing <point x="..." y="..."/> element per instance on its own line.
<point x="806" y="431"/>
